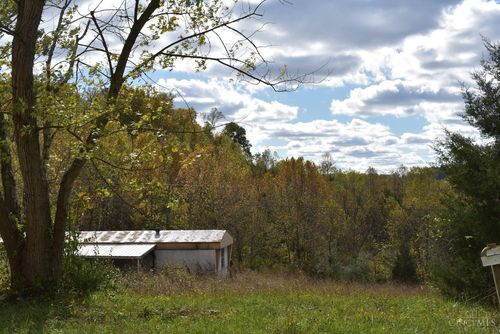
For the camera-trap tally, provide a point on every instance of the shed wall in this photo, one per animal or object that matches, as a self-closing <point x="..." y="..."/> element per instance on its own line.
<point x="197" y="261"/>
<point x="145" y="263"/>
<point x="223" y="259"/>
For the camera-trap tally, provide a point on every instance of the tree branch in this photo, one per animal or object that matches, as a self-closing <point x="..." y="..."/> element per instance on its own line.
<point x="75" y="168"/>
<point x="195" y="35"/>
<point x="104" y="44"/>
<point x="47" y="134"/>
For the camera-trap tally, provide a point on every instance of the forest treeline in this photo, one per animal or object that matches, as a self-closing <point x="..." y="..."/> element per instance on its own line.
<point x="162" y="169"/>
<point x="157" y="166"/>
<point x="84" y="146"/>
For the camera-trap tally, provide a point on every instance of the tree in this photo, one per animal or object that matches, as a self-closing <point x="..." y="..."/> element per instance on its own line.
<point x="215" y="191"/>
<point x="75" y="95"/>
<point x="129" y="182"/>
<point x="411" y="223"/>
<point x="473" y="168"/>
<point x="327" y="165"/>
<point x="239" y="135"/>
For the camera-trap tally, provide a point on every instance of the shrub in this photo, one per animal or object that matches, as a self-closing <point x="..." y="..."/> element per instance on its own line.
<point x="82" y="276"/>
<point x="405" y="267"/>
<point x="457" y="278"/>
<point x="358" y="268"/>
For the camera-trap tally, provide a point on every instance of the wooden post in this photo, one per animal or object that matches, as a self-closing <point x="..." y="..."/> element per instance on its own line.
<point x="496" y="277"/>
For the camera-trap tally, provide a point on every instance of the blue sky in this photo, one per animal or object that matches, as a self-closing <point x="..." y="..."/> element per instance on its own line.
<point x="393" y="87"/>
<point x="386" y="83"/>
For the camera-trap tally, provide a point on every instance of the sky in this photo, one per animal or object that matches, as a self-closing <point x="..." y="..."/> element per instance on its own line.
<point x="387" y="79"/>
<point x="386" y="76"/>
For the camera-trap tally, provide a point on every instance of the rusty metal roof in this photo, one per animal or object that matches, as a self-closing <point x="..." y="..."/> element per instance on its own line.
<point x="123" y="251"/>
<point x="150" y="236"/>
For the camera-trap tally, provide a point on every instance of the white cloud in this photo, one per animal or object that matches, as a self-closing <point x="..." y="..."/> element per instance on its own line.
<point x="356" y="144"/>
<point x="394" y="97"/>
<point x="406" y="58"/>
<point x="234" y="101"/>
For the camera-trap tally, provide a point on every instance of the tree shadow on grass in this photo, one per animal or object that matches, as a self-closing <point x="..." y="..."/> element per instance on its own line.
<point x="32" y="315"/>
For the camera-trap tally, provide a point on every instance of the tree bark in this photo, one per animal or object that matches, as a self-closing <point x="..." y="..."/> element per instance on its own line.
<point x="36" y="259"/>
<point x="36" y="272"/>
<point x="8" y="180"/>
<point x="9" y="209"/>
<point x="14" y="244"/>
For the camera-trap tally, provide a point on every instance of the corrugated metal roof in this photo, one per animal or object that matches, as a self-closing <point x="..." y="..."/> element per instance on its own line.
<point x="136" y="251"/>
<point x="165" y="236"/>
<point x="150" y="236"/>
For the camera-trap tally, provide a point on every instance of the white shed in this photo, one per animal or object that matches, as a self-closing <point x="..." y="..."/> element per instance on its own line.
<point x="201" y="251"/>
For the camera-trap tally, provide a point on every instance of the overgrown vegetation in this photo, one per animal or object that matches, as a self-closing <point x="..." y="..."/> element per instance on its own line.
<point x="87" y="148"/>
<point x="249" y="303"/>
<point x="64" y="72"/>
<point x="166" y="171"/>
<point x="472" y="216"/>
<point x="284" y="214"/>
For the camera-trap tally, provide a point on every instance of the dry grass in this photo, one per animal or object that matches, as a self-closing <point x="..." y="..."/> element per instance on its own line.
<point x="175" y="281"/>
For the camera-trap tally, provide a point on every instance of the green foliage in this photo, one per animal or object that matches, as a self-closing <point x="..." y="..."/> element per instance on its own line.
<point x="156" y="167"/>
<point x="286" y="215"/>
<point x="463" y="278"/>
<point x="81" y="277"/>
<point x="356" y="269"/>
<point x="238" y="135"/>
<point x="459" y="272"/>
<point x="405" y="267"/>
<point x="473" y="168"/>
<point x="85" y="276"/>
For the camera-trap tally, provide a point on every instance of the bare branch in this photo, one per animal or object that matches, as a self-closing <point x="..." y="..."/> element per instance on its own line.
<point x="125" y="168"/>
<point x="136" y="10"/>
<point x="226" y="61"/>
<point x="6" y="30"/>
<point x="55" y="39"/>
<point x="192" y="36"/>
<point x="72" y="56"/>
<point x="104" y="44"/>
<point x="116" y="192"/>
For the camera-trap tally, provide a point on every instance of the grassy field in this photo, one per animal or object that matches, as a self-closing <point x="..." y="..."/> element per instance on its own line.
<point x="248" y="303"/>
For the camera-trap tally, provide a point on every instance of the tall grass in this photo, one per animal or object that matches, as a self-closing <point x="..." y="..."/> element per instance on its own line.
<point x="173" y="301"/>
<point x="176" y="281"/>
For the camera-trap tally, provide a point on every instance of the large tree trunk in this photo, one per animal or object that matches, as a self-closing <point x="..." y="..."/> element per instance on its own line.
<point x="35" y="272"/>
<point x="36" y="258"/>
